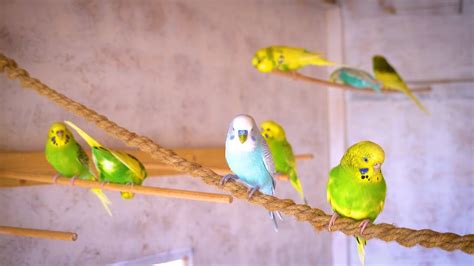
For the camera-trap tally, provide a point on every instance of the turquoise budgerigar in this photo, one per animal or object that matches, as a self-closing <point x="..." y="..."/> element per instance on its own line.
<point x="356" y="187"/>
<point x="356" y="78"/>
<point x="249" y="158"/>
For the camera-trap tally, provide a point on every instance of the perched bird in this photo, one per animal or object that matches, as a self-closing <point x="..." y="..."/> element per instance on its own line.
<point x="390" y="79"/>
<point x="68" y="158"/>
<point x="286" y="59"/>
<point x="114" y="166"/>
<point x="356" y="187"/>
<point x="282" y="153"/>
<point x="356" y="78"/>
<point x="248" y="156"/>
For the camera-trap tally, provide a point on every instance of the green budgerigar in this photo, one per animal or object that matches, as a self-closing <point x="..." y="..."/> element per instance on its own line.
<point x="286" y="58"/>
<point x="69" y="159"/>
<point x="356" y="187"/>
<point x="114" y="166"/>
<point x="282" y="153"/>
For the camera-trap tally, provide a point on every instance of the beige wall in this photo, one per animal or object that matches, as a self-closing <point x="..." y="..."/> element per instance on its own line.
<point x="429" y="158"/>
<point x="176" y="72"/>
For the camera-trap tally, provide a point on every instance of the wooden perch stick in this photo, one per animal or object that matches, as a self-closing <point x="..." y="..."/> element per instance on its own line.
<point x="36" y="163"/>
<point x="156" y="191"/>
<point x="37" y="233"/>
<point x="325" y="83"/>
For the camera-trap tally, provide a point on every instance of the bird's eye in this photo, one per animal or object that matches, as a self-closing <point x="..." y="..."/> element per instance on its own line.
<point x="268" y="129"/>
<point x="365" y="159"/>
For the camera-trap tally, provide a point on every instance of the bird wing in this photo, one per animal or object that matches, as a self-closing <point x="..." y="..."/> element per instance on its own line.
<point x="83" y="158"/>
<point x="131" y="162"/>
<point x="268" y="161"/>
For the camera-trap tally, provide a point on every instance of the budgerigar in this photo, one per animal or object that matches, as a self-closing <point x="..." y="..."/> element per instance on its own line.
<point x="355" y="77"/>
<point x="286" y="59"/>
<point x="69" y="159"/>
<point x="356" y="187"/>
<point x="390" y="79"/>
<point x="114" y="166"/>
<point x="282" y="153"/>
<point x="249" y="158"/>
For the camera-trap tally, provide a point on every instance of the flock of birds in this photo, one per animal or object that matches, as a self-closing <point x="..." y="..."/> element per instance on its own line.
<point x="256" y="154"/>
<point x="286" y="59"/>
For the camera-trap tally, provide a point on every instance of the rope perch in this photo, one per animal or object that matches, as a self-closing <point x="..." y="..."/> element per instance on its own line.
<point x="316" y="217"/>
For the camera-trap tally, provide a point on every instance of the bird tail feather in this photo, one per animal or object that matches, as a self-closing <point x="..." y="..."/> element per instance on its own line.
<point x="92" y="142"/>
<point x="417" y="102"/>
<point x="319" y="61"/>
<point x="361" y="242"/>
<point x="275" y="224"/>
<point x="296" y="183"/>
<point x="103" y="199"/>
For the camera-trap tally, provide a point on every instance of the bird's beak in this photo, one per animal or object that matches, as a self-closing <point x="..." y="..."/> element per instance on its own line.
<point x="254" y="61"/>
<point x="243" y="135"/>
<point x="60" y="133"/>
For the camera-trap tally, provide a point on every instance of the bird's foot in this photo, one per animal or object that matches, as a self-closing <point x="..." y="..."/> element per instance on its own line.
<point x="363" y="225"/>
<point x="227" y="178"/>
<point x="333" y="220"/>
<point x="131" y="186"/>
<point x="103" y="184"/>
<point x="278" y="214"/>
<point x="73" y="179"/>
<point x="55" y="178"/>
<point x="251" y="191"/>
<point x="294" y="75"/>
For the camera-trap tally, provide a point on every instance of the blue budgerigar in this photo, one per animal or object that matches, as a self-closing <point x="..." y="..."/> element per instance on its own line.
<point x="249" y="157"/>
<point x="356" y="78"/>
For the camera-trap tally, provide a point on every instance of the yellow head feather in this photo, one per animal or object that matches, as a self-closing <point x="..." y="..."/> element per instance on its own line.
<point x="365" y="155"/>
<point x="59" y="135"/>
<point x="271" y="130"/>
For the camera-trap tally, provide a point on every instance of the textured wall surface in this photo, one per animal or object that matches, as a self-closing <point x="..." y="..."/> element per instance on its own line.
<point x="176" y="72"/>
<point x="429" y="158"/>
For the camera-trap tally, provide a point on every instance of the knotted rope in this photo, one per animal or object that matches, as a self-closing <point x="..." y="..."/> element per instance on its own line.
<point x="316" y="217"/>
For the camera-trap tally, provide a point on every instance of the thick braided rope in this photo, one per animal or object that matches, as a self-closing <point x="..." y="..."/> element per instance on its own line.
<point x="316" y="217"/>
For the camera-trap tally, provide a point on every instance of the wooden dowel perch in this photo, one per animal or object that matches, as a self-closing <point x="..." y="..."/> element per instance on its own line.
<point x="325" y="83"/>
<point x="213" y="158"/>
<point x="156" y="191"/>
<point x="38" y="233"/>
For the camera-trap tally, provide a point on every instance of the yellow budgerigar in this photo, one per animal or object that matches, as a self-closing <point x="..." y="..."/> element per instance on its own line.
<point x="390" y="79"/>
<point x="286" y="59"/>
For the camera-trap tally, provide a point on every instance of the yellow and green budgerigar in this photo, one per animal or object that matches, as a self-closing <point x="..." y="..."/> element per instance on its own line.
<point x="114" y="166"/>
<point x="286" y="58"/>
<point x="68" y="158"/>
<point x="356" y="187"/>
<point x="390" y="79"/>
<point x="282" y="153"/>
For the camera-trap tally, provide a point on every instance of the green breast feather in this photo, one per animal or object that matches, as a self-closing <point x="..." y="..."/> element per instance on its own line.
<point x="69" y="160"/>
<point x="351" y="196"/>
